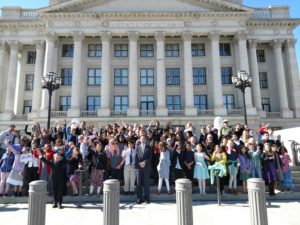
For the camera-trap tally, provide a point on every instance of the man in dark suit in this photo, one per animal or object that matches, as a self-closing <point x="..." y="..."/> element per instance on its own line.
<point x="142" y="166"/>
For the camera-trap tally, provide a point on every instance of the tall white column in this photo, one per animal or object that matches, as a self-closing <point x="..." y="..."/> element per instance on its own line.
<point x="3" y="54"/>
<point x="11" y="81"/>
<point x="241" y="38"/>
<point x="283" y="98"/>
<point x="105" y="75"/>
<point x="190" y="109"/>
<point x="293" y="74"/>
<point x="219" y="109"/>
<point x="161" y="109"/>
<point x="255" y="75"/>
<point x="48" y="67"/>
<point x="38" y="74"/>
<point x="133" y="75"/>
<point x="74" y="111"/>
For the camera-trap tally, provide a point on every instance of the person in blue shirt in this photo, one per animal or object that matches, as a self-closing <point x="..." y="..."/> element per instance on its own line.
<point x="6" y="163"/>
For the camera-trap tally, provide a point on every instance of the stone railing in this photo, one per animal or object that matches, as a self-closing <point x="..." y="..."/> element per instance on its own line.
<point x="176" y="112"/>
<point x="17" y="13"/>
<point x="20" y="117"/>
<point x="207" y="112"/>
<point x="235" y="112"/>
<point x="262" y="13"/>
<point x="272" y="12"/>
<point x="27" y="13"/>
<point x="118" y="113"/>
<point x="147" y="113"/>
<point x="58" y="113"/>
<point x="88" y="113"/>
<point x="273" y="114"/>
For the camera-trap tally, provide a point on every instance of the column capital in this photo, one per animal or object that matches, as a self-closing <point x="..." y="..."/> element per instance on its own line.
<point x="214" y="35"/>
<point x="241" y="36"/>
<point x="14" y="45"/>
<point x="50" y="36"/>
<point x="78" y="36"/>
<point x="290" y="43"/>
<point x="252" y="43"/>
<point x="39" y="45"/>
<point x="105" y="36"/>
<point x="159" y="35"/>
<point x="133" y="36"/>
<point x="3" y="45"/>
<point x="277" y="43"/>
<point x="187" y="36"/>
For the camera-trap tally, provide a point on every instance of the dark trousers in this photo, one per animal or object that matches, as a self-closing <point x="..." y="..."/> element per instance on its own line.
<point x="31" y="174"/>
<point x="57" y="190"/>
<point x="271" y="188"/>
<point x="116" y="174"/>
<point x="143" y="177"/>
<point x="189" y="173"/>
<point x="179" y="173"/>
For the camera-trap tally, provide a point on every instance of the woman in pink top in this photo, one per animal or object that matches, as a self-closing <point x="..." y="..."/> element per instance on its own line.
<point x="287" y="182"/>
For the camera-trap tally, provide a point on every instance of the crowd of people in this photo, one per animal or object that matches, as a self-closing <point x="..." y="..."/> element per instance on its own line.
<point x="140" y="156"/>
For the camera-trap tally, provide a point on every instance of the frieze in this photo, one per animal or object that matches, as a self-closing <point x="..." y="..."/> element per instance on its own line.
<point x="146" y="24"/>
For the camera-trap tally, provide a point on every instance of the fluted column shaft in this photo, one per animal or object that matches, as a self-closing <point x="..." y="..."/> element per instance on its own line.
<point x="111" y="200"/>
<point x="2" y="71"/>
<point x="133" y="75"/>
<point x="184" y="202"/>
<point x="255" y="75"/>
<point x="190" y="109"/>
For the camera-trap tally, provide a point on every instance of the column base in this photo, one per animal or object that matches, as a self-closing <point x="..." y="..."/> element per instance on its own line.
<point x="190" y="111"/>
<point x="297" y="113"/>
<point x="220" y="111"/>
<point x="161" y="112"/>
<point x="73" y="113"/>
<point x="286" y="113"/>
<point x="32" y="115"/>
<point x="133" y="112"/>
<point x="103" y="112"/>
<point x="44" y="113"/>
<point x="6" y="116"/>
<point x="251" y="111"/>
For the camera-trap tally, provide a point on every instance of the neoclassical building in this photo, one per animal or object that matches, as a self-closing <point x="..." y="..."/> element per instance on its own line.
<point x="137" y="60"/>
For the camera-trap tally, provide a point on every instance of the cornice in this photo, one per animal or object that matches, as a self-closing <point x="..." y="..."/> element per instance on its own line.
<point x="21" y="25"/>
<point x="273" y="22"/>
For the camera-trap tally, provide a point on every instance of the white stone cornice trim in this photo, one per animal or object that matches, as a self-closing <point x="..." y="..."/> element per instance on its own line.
<point x="133" y="36"/>
<point x="77" y="36"/>
<point x="187" y="36"/>
<point x="291" y="42"/>
<point x="214" y="35"/>
<point x="252" y="43"/>
<point x="291" y="23"/>
<point x="159" y="35"/>
<point x="21" y="25"/>
<point x="105" y="36"/>
<point x="277" y="43"/>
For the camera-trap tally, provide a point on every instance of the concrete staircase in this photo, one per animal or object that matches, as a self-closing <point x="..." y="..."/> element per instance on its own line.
<point x="296" y="177"/>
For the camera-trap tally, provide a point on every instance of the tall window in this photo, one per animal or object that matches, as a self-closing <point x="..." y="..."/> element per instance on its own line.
<point x="198" y="49"/>
<point x="200" y="102"/>
<point x="263" y="80"/>
<point x="94" y="76"/>
<point x="147" y="105"/>
<point x="173" y="102"/>
<point x="173" y="76"/>
<point x="121" y="77"/>
<point x="67" y="50"/>
<point x="172" y="50"/>
<point x="66" y="76"/>
<point x="224" y="49"/>
<point x="265" y="102"/>
<point x="228" y="102"/>
<point x="260" y="54"/>
<point x="147" y="76"/>
<point x="31" y="56"/>
<point x="199" y="75"/>
<point x="146" y="50"/>
<point x="27" y="106"/>
<point x="226" y="73"/>
<point x="120" y="103"/>
<point x="64" y="103"/>
<point x="29" y="82"/>
<point x="93" y="103"/>
<point x="121" y="50"/>
<point x="95" y="50"/>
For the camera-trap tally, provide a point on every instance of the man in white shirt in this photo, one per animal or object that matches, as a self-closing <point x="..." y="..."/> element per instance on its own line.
<point x="6" y="136"/>
<point x="128" y="156"/>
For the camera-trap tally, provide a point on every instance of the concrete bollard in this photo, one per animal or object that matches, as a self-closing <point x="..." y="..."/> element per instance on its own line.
<point x="37" y="203"/>
<point x="184" y="202"/>
<point x="257" y="201"/>
<point x="111" y="200"/>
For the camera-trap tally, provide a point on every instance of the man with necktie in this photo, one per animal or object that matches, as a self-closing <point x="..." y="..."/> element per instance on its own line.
<point x="129" y="169"/>
<point x="142" y="166"/>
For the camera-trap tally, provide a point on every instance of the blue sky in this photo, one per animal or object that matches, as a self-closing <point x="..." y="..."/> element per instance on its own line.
<point x="294" y="7"/>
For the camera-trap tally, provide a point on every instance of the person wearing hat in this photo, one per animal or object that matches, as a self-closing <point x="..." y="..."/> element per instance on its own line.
<point x="5" y="137"/>
<point x="226" y="130"/>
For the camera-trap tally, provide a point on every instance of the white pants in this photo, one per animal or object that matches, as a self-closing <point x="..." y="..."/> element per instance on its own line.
<point x="160" y="184"/>
<point x="129" y="178"/>
<point x="232" y="176"/>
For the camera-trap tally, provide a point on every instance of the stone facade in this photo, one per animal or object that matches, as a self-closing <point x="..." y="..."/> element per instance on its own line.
<point x="138" y="60"/>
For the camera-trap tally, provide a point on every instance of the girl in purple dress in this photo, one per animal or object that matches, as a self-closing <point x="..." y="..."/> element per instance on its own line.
<point x="287" y="182"/>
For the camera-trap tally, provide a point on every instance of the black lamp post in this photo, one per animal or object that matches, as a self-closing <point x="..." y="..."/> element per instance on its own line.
<point x="241" y="81"/>
<point x="51" y="82"/>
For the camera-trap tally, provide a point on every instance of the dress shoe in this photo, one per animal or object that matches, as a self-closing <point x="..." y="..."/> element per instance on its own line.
<point x="54" y="205"/>
<point x="60" y="206"/>
<point x="139" y="201"/>
<point x="147" y="202"/>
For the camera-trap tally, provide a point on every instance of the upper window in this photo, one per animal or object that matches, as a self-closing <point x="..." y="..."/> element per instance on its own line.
<point x="67" y="50"/>
<point x="120" y="103"/>
<point x="147" y="77"/>
<point x="263" y="80"/>
<point x="66" y="76"/>
<point x="121" y="50"/>
<point x="64" y="103"/>
<point x="95" y="50"/>
<point x="31" y="55"/>
<point x="146" y="50"/>
<point x="228" y="101"/>
<point x="147" y="105"/>
<point x="93" y="103"/>
<point x="27" y="106"/>
<point x="173" y="76"/>
<point x="266" y="104"/>
<point x="121" y="77"/>
<point x="172" y="50"/>
<point x="226" y="73"/>
<point x="173" y="102"/>
<point x="199" y="75"/>
<point x="224" y="49"/>
<point x="198" y="49"/>
<point x="94" y="76"/>
<point x="200" y="102"/>
<point x="260" y="54"/>
<point x="29" y="82"/>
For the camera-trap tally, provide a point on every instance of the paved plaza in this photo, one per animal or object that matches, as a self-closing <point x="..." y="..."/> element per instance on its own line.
<point x="208" y="213"/>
